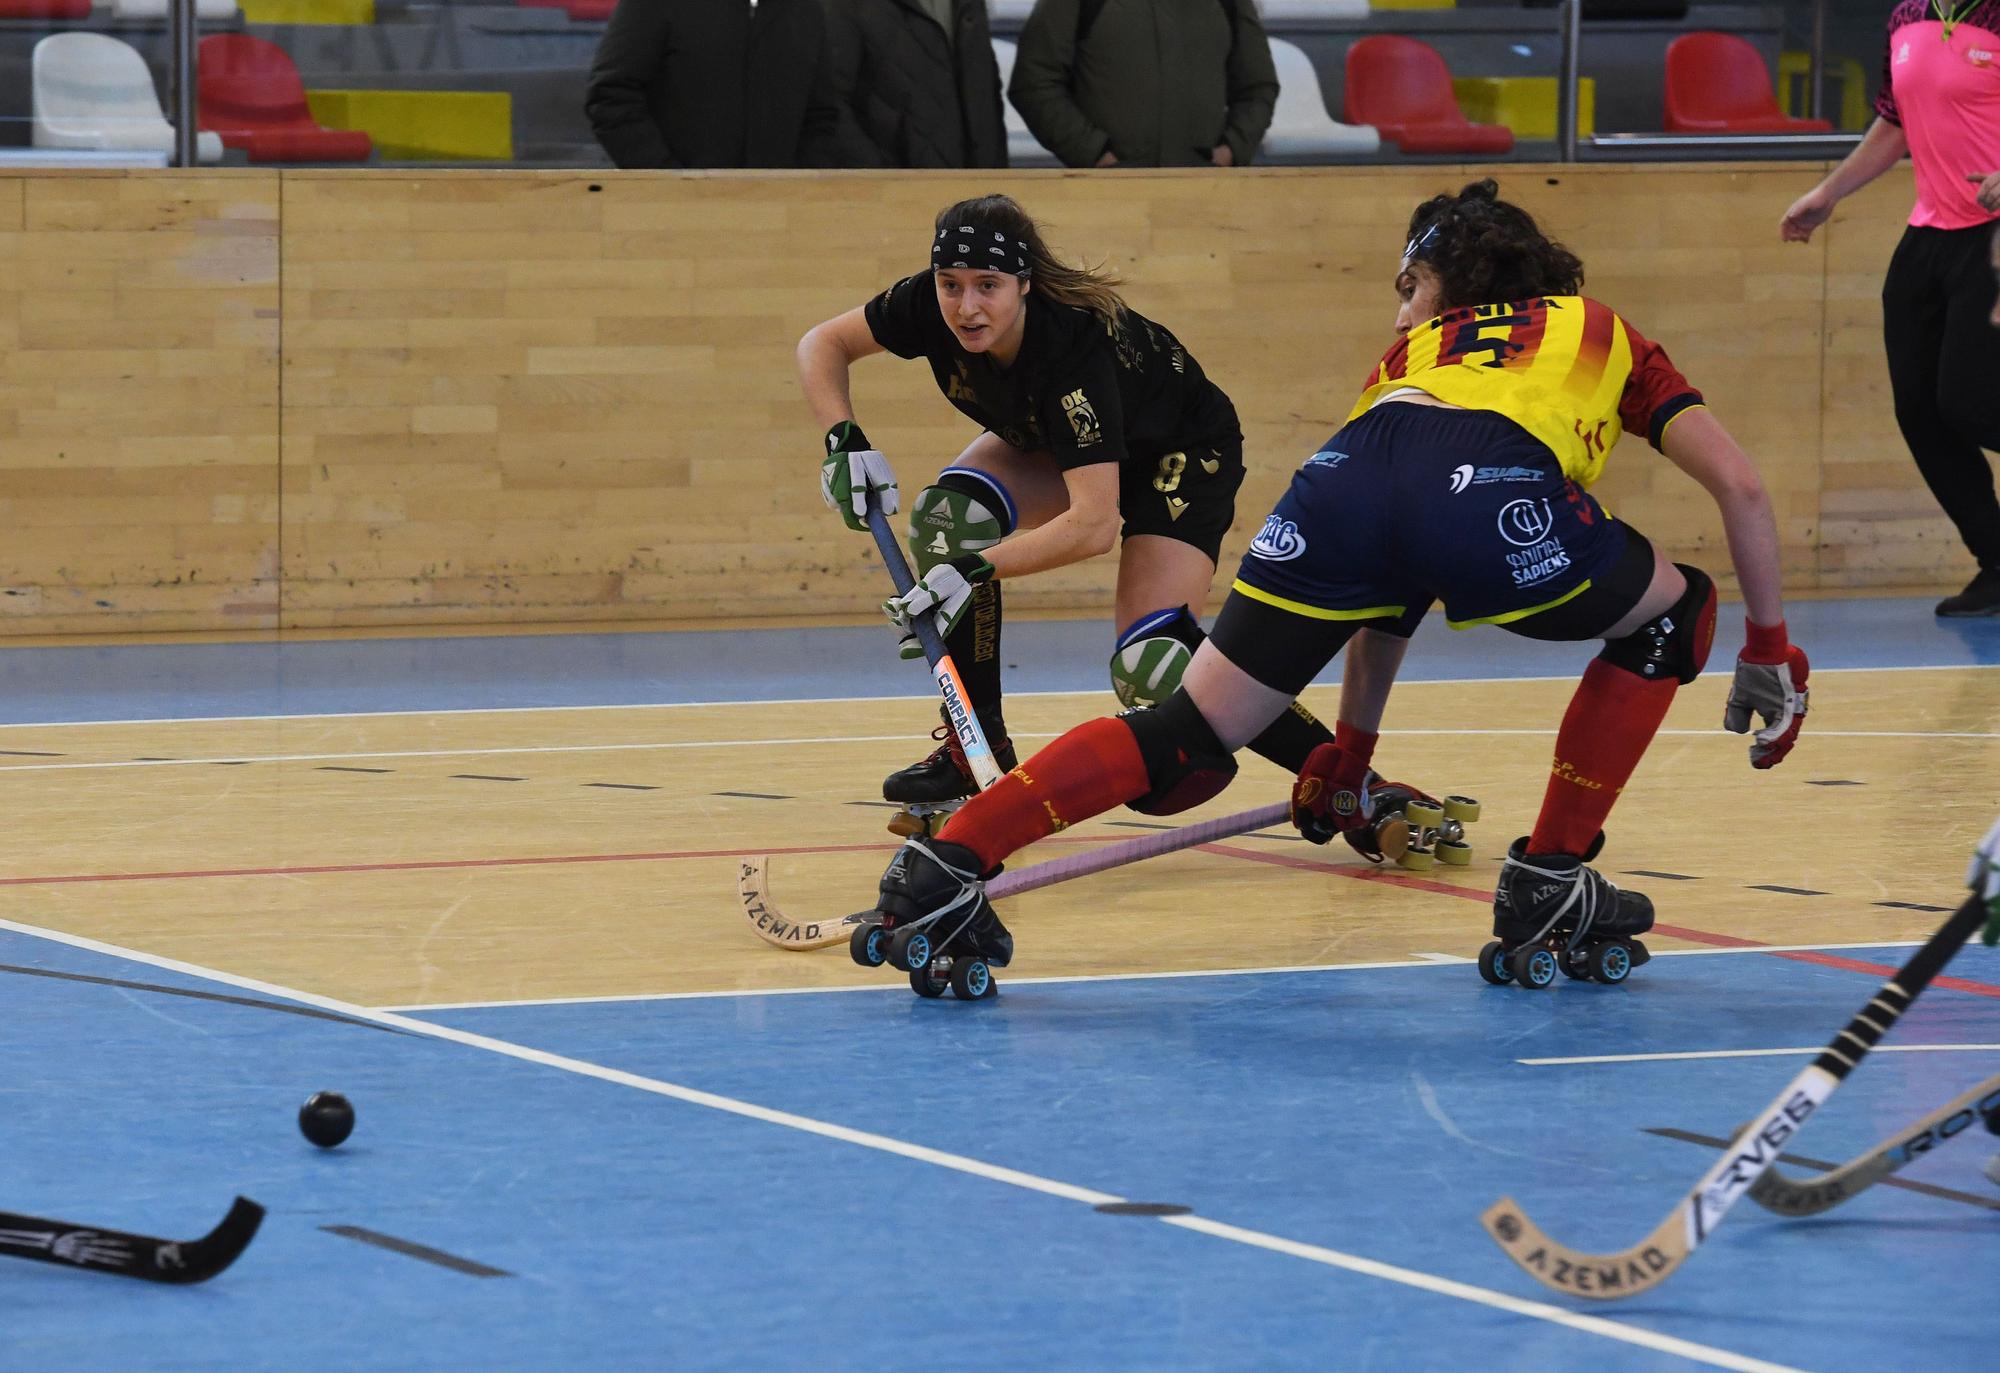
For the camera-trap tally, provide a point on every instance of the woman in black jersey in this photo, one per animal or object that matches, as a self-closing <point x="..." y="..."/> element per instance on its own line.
<point x="1097" y="425"/>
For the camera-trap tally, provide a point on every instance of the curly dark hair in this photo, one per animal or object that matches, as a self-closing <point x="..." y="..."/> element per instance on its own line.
<point x="1489" y="252"/>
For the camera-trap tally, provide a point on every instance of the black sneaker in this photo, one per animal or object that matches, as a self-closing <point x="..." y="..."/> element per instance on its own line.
<point x="943" y="776"/>
<point x="1980" y="597"/>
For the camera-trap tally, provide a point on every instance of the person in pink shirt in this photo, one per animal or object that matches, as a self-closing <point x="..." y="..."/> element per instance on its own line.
<point x="1940" y="103"/>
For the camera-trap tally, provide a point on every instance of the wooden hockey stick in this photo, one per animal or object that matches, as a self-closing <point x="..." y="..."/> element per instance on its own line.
<point x="1647" y="1264"/>
<point x="774" y="927"/>
<point x="1789" y="1196"/>
<point x="128" y="1255"/>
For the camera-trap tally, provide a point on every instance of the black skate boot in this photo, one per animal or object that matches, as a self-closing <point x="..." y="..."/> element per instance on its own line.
<point x="932" y="789"/>
<point x="1551" y="911"/>
<point x="932" y="919"/>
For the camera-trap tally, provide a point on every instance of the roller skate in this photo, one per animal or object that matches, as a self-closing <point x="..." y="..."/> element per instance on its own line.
<point x="931" y="790"/>
<point x="1413" y="830"/>
<point x="1553" y="912"/>
<point x="933" y="921"/>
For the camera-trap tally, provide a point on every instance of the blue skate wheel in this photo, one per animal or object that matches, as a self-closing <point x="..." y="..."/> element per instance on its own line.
<point x="868" y="945"/>
<point x="1611" y="962"/>
<point x="1493" y="964"/>
<point x="926" y="986"/>
<point x="1533" y="966"/>
<point x="971" y="979"/>
<point x="910" y="949"/>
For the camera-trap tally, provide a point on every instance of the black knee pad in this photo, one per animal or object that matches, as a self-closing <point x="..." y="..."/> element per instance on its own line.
<point x="1673" y="644"/>
<point x="1185" y="763"/>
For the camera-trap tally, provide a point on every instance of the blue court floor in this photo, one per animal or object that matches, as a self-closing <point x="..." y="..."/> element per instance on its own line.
<point x="1363" y="1114"/>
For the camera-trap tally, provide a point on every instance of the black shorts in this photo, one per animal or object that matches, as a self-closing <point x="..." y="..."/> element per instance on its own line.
<point x="1411" y="504"/>
<point x="1190" y="496"/>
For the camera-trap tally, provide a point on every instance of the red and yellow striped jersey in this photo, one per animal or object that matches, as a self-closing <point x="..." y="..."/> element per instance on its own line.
<point x="1564" y="368"/>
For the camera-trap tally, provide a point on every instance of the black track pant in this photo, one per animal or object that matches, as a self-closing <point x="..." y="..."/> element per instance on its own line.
<point x="1944" y="367"/>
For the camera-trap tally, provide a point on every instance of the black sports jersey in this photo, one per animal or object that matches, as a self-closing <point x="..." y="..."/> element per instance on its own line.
<point x="1076" y="389"/>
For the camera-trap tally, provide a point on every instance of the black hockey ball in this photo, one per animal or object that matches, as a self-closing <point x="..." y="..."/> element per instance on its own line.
<point x="326" y="1119"/>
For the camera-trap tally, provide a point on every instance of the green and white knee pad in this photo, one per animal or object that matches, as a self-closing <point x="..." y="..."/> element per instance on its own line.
<point x="1147" y="664"/>
<point x="965" y="511"/>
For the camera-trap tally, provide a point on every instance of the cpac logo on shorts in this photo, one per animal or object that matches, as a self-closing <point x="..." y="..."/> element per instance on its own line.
<point x="1525" y="522"/>
<point x="1279" y="541"/>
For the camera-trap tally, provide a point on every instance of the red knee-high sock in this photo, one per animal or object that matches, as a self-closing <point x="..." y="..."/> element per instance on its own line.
<point x="1611" y="721"/>
<point x="1086" y="772"/>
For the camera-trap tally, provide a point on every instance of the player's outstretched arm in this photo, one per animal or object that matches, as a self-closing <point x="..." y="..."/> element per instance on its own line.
<point x="1771" y="670"/>
<point x="1882" y="147"/>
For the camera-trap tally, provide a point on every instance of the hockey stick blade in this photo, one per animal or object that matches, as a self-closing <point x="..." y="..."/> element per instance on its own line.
<point x="1647" y="1264"/>
<point x="1778" y="1191"/>
<point x="772" y="926"/>
<point x="133" y="1256"/>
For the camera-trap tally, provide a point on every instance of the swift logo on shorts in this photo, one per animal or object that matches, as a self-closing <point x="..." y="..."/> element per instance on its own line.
<point x="1465" y="475"/>
<point x="1525" y="522"/>
<point x="1279" y="541"/>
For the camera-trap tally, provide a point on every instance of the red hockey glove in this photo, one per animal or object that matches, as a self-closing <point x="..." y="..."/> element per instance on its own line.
<point x="1770" y="680"/>
<point x="1331" y="794"/>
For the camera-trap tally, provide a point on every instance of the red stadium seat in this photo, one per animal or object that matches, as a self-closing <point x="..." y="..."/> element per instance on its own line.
<point x="1718" y="83"/>
<point x="252" y="96"/>
<point x="1403" y="88"/>
<point x="44" y="9"/>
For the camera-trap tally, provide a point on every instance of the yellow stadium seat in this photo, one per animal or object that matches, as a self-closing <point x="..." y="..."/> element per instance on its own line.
<point x="423" y="126"/>
<point x="308" y="11"/>
<point x="1525" y="104"/>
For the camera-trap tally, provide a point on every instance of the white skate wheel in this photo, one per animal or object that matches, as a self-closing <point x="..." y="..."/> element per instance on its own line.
<point x="1993" y="1170"/>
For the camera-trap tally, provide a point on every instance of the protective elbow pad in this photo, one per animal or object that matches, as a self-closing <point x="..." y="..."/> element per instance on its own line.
<point x="1149" y="658"/>
<point x="1185" y="763"/>
<point x="1673" y="644"/>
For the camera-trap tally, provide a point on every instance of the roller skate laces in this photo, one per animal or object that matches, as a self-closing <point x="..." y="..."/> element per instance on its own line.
<point x="1581" y="923"/>
<point x="933" y="921"/>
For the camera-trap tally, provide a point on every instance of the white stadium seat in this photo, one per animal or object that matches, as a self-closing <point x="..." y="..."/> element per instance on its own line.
<point x="1300" y="126"/>
<point x="92" y="91"/>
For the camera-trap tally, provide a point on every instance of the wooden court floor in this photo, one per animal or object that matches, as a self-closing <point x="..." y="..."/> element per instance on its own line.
<point x="422" y="859"/>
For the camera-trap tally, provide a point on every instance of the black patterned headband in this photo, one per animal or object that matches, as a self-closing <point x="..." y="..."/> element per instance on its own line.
<point x="981" y="248"/>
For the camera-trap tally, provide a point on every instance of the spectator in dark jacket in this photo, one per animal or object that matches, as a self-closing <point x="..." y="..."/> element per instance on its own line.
<point x="1151" y="83"/>
<point x="715" y="83"/>
<point x="920" y="81"/>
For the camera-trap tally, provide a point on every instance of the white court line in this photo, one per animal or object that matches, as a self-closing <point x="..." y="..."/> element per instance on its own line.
<point x="1752" y="1053"/>
<point x="525" y="749"/>
<point x="1420" y="960"/>
<point x="1406" y="1277"/>
<point x="842" y="700"/>
<point x="897" y="986"/>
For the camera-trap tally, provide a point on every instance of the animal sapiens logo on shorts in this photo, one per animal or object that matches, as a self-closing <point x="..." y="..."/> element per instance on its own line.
<point x="1278" y="542"/>
<point x="1526" y="522"/>
<point x="1461" y="477"/>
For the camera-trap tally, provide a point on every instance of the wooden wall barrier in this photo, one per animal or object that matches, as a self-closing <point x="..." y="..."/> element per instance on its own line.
<point x="251" y="398"/>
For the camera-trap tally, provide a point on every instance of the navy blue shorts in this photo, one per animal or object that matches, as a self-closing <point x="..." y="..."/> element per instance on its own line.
<point x="1411" y="504"/>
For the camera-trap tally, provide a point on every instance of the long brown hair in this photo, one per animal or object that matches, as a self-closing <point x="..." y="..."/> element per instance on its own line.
<point x="1086" y="288"/>
<point x="1487" y="251"/>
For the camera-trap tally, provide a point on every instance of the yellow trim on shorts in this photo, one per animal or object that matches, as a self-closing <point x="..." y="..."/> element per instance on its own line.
<point x="1510" y="616"/>
<point x="1314" y="612"/>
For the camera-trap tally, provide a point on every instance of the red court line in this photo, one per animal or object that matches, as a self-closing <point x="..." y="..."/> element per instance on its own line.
<point x="1370" y="874"/>
<point x="1727" y="941"/>
<point x="431" y="864"/>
